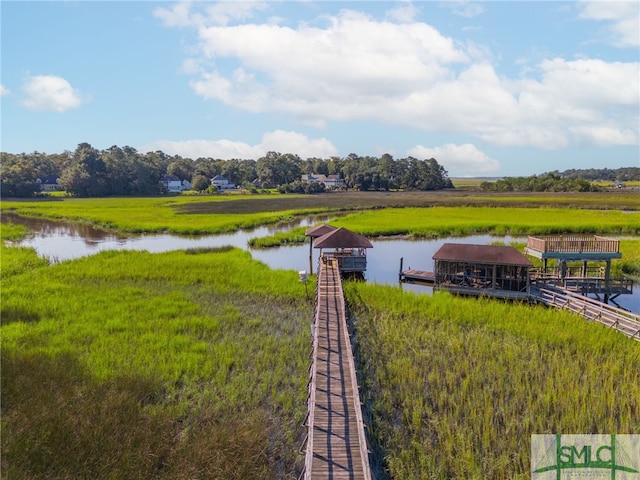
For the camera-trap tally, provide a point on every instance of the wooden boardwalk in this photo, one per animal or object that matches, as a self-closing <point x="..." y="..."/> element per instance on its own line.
<point x="336" y="447"/>
<point x="616" y="318"/>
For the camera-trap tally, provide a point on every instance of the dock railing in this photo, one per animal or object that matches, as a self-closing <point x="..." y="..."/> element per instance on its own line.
<point x="616" y="318"/>
<point x="349" y="261"/>
<point x="574" y="244"/>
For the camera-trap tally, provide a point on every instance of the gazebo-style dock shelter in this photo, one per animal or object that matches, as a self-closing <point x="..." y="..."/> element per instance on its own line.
<point x="571" y="269"/>
<point x="313" y="233"/>
<point x="467" y="269"/>
<point x="350" y="249"/>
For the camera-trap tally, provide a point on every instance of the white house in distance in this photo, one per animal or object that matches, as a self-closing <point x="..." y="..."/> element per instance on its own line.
<point x="330" y="181"/>
<point x="49" y="183"/>
<point x="221" y="183"/>
<point x="172" y="183"/>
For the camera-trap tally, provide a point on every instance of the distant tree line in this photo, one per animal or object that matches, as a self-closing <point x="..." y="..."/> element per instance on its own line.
<point x="568" y="181"/>
<point x="548" y="182"/>
<point x="88" y="172"/>
<point x="625" y="174"/>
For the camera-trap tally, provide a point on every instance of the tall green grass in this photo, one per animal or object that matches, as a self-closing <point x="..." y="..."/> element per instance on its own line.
<point x="153" y="214"/>
<point x="438" y="222"/>
<point x="447" y="221"/>
<point x="126" y="365"/>
<point x="213" y="214"/>
<point x="455" y="387"/>
<point x="630" y="263"/>
<point x="13" y="259"/>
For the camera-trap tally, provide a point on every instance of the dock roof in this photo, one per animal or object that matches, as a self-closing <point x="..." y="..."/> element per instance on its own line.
<point x="342" y="238"/>
<point x="486" y="254"/>
<point x="319" y="230"/>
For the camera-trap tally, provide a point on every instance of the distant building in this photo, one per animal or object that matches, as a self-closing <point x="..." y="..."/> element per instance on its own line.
<point x="222" y="183"/>
<point x="49" y="183"/>
<point x="172" y="183"/>
<point x="329" y="181"/>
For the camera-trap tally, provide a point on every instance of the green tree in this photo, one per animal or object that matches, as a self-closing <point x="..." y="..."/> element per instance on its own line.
<point x="86" y="176"/>
<point x="18" y="175"/>
<point x="183" y="168"/>
<point x="200" y="183"/>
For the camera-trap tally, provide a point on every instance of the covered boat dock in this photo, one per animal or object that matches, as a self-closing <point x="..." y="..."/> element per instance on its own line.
<point x="349" y="249"/>
<point x="488" y="270"/>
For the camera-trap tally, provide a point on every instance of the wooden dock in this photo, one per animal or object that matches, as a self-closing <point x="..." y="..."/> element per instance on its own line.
<point x="616" y="318"/>
<point x="336" y="446"/>
<point x="417" y="276"/>
<point x="412" y="275"/>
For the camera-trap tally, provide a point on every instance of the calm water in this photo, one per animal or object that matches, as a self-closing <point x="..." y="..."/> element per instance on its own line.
<point x="59" y="241"/>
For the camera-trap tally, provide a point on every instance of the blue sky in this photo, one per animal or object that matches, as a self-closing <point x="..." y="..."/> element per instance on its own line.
<point x="487" y="88"/>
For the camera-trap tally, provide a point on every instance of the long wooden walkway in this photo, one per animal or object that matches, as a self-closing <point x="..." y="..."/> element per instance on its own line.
<point x="336" y="447"/>
<point x="616" y="318"/>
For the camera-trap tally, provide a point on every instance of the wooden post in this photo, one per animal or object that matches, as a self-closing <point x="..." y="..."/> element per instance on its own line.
<point x="607" y="274"/>
<point x="310" y="255"/>
<point x="400" y="272"/>
<point x="494" y="275"/>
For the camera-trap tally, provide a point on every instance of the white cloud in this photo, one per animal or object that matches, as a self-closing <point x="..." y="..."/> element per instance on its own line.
<point x="355" y="67"/>
<point x="404" y="13"/>
<point x="4" y="90"/>
<point x="459" y="160"/>
<point x="182" y="14"/>
<point x="623" y="19"/>
<point x="179" y="15"/>
<point x="50" y="93"/>
<point x="605" y="136"/>
<point x="464" y="8"/>
<point x="276" y="141"/>
<point x="352" y="68"/>
<point x="293" y="142"/>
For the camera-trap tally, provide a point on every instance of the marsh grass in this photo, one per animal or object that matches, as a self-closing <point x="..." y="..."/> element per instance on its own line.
<point x="447" y="221"/>
<point x="293" y="236"/>
<point x="137" y="365"/>
<point x="455" y="387"/>
<point x="630" y="263"/>
<point x="192" y="215"/>
<point x="150" y="215"/>
<point x="438" y="222"/>
<point x="13" y="259"/>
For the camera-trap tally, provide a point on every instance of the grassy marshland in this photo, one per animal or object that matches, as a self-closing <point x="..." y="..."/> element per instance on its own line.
<point x="460" y="221"/>
<point x="455" y="387"/>
<point x="445" y="221"/>
<point x="189" y="365"/>
<point x="13" y="259"/>
<point x="197" y="215"/>
<point x="126" y="365"/>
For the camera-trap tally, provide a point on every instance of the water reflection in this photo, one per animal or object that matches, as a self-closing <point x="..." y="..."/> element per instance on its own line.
<point x="59" y="241"/>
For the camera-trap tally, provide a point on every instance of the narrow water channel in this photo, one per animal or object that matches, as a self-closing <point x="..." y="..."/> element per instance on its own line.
<point x="60" y="241"/>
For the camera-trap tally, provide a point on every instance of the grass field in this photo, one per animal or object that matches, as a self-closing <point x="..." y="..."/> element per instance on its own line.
<point x="439" y="222"/>
<point x="455" y="387"/>
<point x="203" y="214"/>
<point x="193" y="364"/>
<point x="126" y="365"/>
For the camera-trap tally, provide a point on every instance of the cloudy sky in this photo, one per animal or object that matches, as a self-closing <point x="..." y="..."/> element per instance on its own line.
<point x="488" y="88"/>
